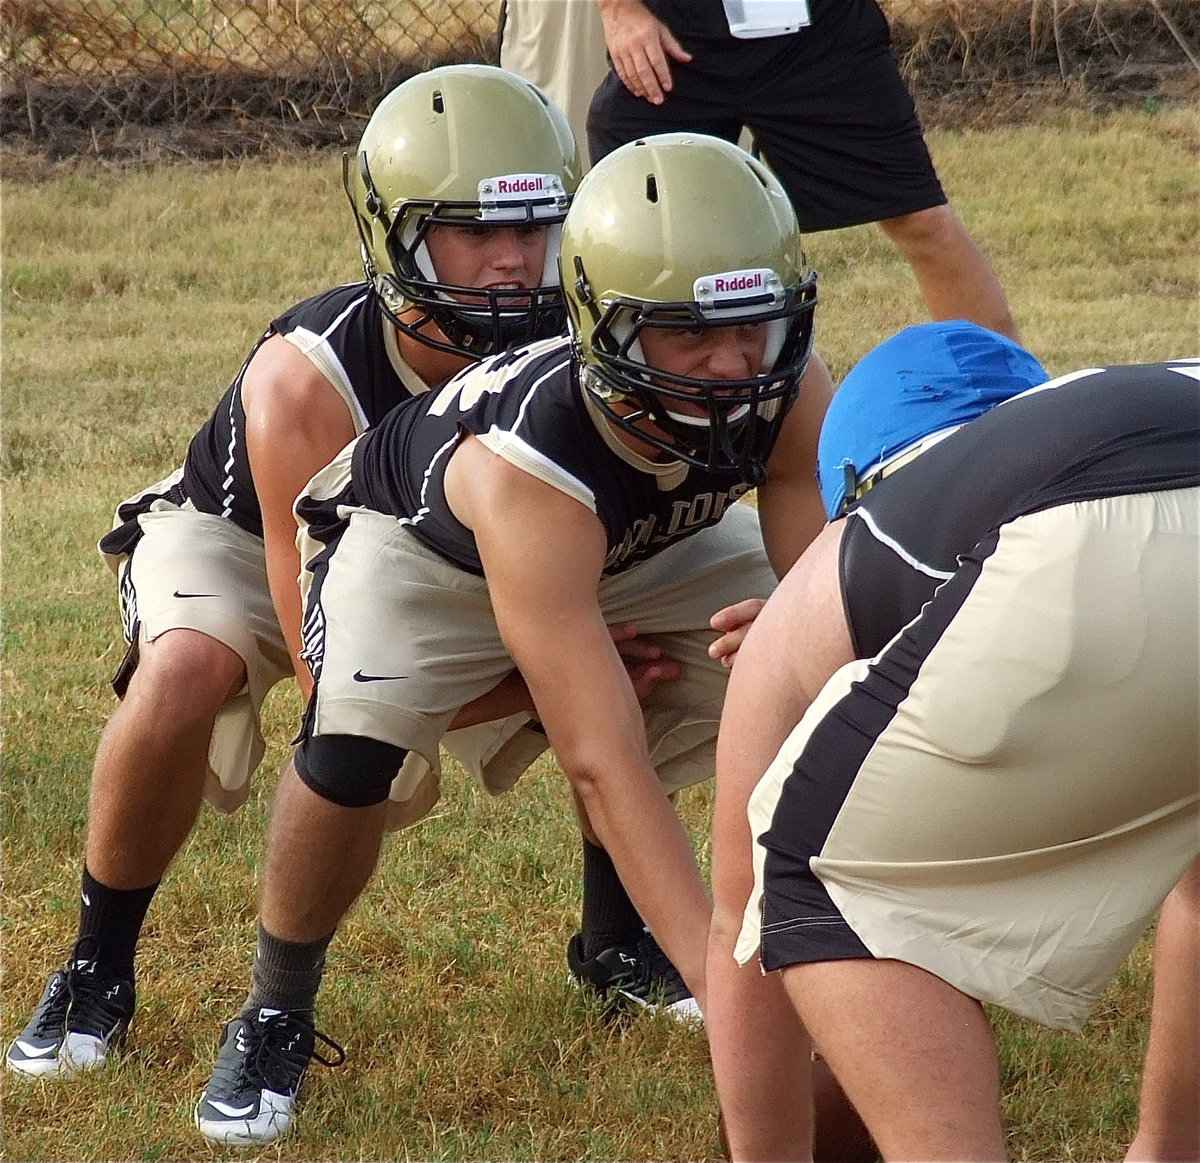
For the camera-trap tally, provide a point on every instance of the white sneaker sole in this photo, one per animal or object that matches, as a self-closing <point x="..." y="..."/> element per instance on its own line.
<point x="273" y="1121"/>
<point x="686" y="1012"/>
<point x="79" y="1052"/>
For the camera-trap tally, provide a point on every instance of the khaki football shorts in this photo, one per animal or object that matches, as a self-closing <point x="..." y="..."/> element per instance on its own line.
<point x="197" y="571"/>
<point x="402" y="638"/>
<point x="1012" y="820"/>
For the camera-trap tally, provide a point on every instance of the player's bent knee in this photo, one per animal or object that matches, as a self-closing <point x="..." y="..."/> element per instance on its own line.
<point x="184" y="673"/>
<point x="190" y="657"/>
<point x="348" y="770"/>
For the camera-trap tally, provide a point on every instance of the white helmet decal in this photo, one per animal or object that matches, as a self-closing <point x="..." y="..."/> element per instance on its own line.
<point x="506" y="197"/>
<point x="748" y="291"/>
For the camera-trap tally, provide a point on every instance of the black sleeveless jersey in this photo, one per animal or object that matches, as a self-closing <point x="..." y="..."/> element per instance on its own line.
<point x="1100" y="432"/>
<point x="527" y="407"/>
<point x="342" y="331"/>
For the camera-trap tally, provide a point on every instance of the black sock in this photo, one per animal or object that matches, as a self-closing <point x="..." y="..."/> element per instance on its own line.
<point x="110" y="923"/>
<point x="286" y="974"/>
<point x="609" y="917"/>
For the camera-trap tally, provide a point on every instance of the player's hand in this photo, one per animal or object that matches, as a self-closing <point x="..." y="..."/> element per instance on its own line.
<point x="732" y="623"/>
<point x="639" y="45"/>
<point x="643" y="660"/>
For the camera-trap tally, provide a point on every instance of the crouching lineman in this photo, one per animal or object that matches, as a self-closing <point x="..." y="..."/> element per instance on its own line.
<point x="974" y="701"/>
<point x="207" y="560"/>
<point x="507" y="516"/>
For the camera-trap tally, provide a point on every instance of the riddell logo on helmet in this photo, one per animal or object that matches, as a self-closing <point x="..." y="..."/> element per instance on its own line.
<point x="519" y="197"/>
<point x="752" y="289"/>
<point x="726" y="284"/>
<point x="505" y="187"/>
<point x="519" y="185"/>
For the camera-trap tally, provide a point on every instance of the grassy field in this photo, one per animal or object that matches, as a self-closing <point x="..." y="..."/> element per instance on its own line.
<point x="128" y="302"/>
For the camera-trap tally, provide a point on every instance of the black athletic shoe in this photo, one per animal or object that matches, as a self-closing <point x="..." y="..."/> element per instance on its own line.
<point x="260" y="1063"/>
<point x="81" y="1016"/>
<point x="638" y="974"/>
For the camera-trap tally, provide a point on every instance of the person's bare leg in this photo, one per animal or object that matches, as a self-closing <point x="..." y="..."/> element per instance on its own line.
<point x="914" y="1055"/>
<point x="319" y="858"/>
<point x="1169" y="1108"/>
<point x="148" y="774"/>
<point x="954" y="274"/>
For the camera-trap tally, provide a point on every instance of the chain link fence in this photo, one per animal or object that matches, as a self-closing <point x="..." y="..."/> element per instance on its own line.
<point x="202" y="78"/>
<point x="80" y="75"/>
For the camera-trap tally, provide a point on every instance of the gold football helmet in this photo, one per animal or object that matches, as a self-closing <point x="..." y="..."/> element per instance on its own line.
<point x="682" y="230"/>
<point x="462" y="144"/>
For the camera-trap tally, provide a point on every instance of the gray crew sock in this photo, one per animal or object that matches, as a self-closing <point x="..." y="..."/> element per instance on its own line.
<point x="286" y="974"/>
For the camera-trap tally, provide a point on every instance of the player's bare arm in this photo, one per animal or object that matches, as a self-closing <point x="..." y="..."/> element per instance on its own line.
<point x="789" y="501"/>
<point x="755" y="1038"/>
<point x="296" y="423"/>
<point x="643" y="660"/>
<point x="543" y="553"/>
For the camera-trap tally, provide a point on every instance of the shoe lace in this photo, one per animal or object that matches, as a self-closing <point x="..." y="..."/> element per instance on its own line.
<point x="94" y="1005"/>
<point x="278" y="1048"/>
<point x="51" y="1015"/>
<point x="654" y="970"/>
<point x="91" y="1004"/>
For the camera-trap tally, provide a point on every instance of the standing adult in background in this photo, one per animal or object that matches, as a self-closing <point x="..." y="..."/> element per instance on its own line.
<point x="817" y="84"/>
<point x="206" y="559"/>
<point x="959" y="760"/>
<point x="559" y="46"/>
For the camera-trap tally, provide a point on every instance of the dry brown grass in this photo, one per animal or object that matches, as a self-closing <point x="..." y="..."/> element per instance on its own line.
<point x="136" y="81"/>
<point x="985" y="32"/>
<point x="986" y="62"/>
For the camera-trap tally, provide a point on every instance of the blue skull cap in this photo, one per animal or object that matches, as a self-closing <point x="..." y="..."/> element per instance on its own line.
<point x="921" y="381"/>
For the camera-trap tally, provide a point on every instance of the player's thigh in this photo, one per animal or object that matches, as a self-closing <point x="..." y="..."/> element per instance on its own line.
<point x="204" y="577"/>
<point x="616" y="117"/>
<point x="398" y="637"/>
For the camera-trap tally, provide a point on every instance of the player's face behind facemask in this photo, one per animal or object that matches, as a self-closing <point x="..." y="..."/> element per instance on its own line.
<point x="469" y="259"/>
<point x="909" y="392"/>
<point x="477" y="151"/>
<point x="689" y="300"/>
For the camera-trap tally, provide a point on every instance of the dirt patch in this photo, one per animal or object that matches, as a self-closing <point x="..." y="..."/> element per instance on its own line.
<point x="980" y="63"/>
<point x="970" y="63"/>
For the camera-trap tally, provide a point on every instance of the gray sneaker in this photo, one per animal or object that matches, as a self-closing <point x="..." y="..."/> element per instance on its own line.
<point x="81" y="1016"/>
<point x="260" y="1064"/>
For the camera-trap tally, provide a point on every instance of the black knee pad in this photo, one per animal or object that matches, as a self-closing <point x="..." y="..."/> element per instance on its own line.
<point x="347" y="769"/>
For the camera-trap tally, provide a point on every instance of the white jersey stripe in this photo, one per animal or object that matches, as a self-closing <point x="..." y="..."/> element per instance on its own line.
<point x="898" y="549"/>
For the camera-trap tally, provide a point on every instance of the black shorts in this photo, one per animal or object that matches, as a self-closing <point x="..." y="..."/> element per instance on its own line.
<point x="828" y="108"/>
